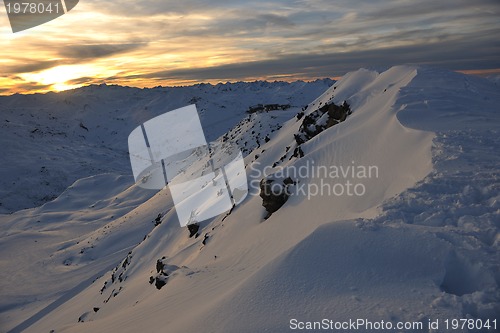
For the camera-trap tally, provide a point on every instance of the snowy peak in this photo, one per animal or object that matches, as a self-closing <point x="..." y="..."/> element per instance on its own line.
<point x="424" y="98"/>
<point x="452" y="100"/>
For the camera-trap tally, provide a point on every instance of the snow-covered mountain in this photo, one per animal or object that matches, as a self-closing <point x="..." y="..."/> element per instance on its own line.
<point x="74" y="134"/>
<point x="391" y="214"/>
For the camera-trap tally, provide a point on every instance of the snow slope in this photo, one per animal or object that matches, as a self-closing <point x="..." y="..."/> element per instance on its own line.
<point x="83" y="132"/>
<point x="47" y="150"/>
<point x="421" y="243"/>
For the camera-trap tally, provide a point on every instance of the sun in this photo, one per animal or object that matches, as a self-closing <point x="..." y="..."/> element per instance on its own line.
<point x="66" y="77"/>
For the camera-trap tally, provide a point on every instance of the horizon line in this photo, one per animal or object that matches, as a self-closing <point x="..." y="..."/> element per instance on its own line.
<point x="190" y="83"/>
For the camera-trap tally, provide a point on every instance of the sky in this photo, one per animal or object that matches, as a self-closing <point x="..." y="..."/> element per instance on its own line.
<point x="146" y="43"/>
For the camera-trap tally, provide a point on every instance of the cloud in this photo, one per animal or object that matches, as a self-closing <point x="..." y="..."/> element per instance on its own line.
<point x="162" y="7"/>
<point x="142" y="42"/>
<point x="274" y="19"/>
<point x="85" y="80"/>
<point x="449" y="55"/>
<point x="92" y="51"/>
<point x="30" y="66"/>
<point x="28" y="87"/>
<point x="443" y="9"/>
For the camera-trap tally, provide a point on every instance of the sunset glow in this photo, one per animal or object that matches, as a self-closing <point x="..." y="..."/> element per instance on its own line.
<point x="151" y="43"/>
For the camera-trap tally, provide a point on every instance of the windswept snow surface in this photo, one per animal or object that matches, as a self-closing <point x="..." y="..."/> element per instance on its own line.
<point x="419" y="239"/>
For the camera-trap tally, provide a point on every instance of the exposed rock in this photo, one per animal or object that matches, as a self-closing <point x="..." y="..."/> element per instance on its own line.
<point x="267" y="107"/>
<point x="159" y="266"/>
<point x="161" y="276"/>
<point x="193" y="229"/>
<point x="160" y="282"/>
<point x="83" y="126"/>
<point x="298" y="152"/>
<point x="317" y="121"/>
<point x="83" y="317"/>
<point x="274" y="193"/>
<point x="157" y="220"/>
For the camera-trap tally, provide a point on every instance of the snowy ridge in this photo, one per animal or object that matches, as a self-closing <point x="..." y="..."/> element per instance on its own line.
<point x="420" y="243"/>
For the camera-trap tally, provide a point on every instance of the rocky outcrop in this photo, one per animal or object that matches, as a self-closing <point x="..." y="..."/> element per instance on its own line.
<point x="314" y="123"/>
<point x="193" y="230"/>
<point x="317" y="121"/>
<point x="274" y="193"/>
<point x="161" y="276"/>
